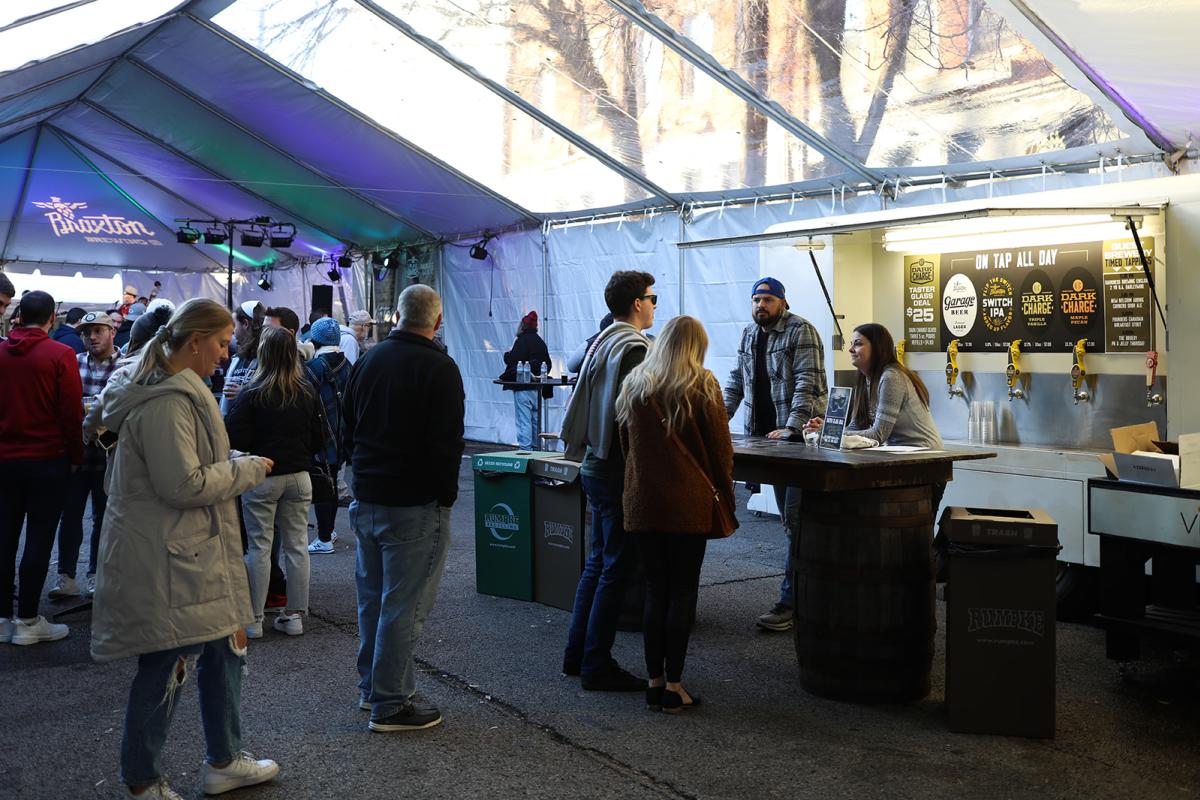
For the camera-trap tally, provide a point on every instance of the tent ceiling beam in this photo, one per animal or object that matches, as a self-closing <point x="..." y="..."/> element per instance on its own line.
<point x="50" y="12"/>
<point x="16" y="214"/>
<point x="31" y="114"/>
<point x="703" y="61"/>
<point x="1102" y="92"/>
<point x="176" y="87"/>
<point x="71" y="139"/>
<point x="366" y="120"/>
<point x="241" y="187"/>
<point x="515" y="99"/>
<point x="66" y="76"/>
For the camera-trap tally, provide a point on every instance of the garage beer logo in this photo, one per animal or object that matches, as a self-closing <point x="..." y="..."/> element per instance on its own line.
<point x="501" y="522"/>
<point x="95" y="228"/>
<point x="959" y="305"/>
<point x="997" y="302"/>
<point x="980" y="619"/>
<point x="920" y="272"/>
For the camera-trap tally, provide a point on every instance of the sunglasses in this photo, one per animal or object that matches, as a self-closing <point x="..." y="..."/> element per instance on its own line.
<point x="653" y="298"/>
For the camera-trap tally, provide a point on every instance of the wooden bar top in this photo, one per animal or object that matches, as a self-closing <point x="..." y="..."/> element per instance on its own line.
<point x="761" y="460"/>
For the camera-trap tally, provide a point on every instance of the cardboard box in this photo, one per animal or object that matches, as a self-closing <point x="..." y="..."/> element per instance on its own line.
<point x="1140" y="456"/>
<point x="1000" y="621"/>
<point x="560" y="535"/>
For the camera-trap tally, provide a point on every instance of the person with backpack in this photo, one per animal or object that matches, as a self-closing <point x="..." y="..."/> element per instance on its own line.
<point x="329" y="372"/>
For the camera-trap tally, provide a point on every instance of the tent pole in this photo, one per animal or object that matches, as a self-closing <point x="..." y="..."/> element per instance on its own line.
<point x="229" y="275"/>
<point x="682" y="255"/>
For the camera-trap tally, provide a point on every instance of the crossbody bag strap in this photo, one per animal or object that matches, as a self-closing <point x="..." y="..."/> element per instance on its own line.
<point x="688" y="453"/>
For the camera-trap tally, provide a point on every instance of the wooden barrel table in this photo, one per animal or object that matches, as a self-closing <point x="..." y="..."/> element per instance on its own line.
<point x="864" y="587"/>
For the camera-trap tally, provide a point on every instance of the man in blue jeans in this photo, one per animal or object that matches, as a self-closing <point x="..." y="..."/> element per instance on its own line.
<point x="403" y="428"/>
<point x="589" y="430"/>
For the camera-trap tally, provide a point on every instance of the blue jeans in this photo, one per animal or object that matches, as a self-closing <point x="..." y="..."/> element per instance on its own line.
<point x="528" y="424"/>
<point x="787" y="499"/>
<point x="601" y="589"/>
<point x="401" y="552"/>
<point x="84" y="483"/>
<point x="154" y="695"/>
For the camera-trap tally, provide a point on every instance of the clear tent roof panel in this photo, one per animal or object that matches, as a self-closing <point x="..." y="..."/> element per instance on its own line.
<point x="934" y="83"/>
<point x="144" y="102"/>
<point x="72" y="27"/>
<point x="425" y="100"/>
<point x="210" y="194"/>
<point x="590" y="68"/>
<point x="367" y="160"/>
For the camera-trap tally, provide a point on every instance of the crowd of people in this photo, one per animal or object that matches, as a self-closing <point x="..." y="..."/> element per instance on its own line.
<point x="197" y="502"/>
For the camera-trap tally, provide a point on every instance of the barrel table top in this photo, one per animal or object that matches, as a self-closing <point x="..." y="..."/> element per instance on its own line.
<point x="777" y="461"/>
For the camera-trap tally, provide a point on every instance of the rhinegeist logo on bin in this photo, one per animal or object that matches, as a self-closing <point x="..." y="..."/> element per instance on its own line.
<point x="980" y="619"/>
<point x="560" y="531"/>
<point x="501" y="518"/>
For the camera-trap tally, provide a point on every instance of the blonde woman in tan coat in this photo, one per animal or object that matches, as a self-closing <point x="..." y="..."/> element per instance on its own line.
<point x="678" y="492"/>
<point x="172" y="587"/>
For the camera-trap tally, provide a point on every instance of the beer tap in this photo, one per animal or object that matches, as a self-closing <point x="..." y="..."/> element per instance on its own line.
<point x="1079" y="372"/>
<point x="952" y="370"/>
<point x="1152" y="397"/>
<point x="1012" y="372"/>
<point x="900" y="352"/>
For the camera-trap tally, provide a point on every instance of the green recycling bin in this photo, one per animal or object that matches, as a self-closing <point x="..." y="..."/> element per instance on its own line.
<point x="503" y="523"/>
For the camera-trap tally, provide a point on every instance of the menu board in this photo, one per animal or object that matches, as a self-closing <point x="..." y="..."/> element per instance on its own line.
<point x="1049" y="297"/>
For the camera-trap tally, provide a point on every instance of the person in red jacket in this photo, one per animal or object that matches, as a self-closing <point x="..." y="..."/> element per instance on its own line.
<point x="41" y="429"/>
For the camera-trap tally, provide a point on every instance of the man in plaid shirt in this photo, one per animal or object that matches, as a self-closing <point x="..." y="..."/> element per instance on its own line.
<point x="96" y="365"/>
<point x="780" y="375"/>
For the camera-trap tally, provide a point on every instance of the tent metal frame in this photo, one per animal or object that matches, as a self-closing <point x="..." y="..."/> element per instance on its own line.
<point x="263" y="58"/>
<point x="66" y="76"/>
<point x="204" y="104"/>
<point x="50" y="12"/>
<point x="514" y="99"/>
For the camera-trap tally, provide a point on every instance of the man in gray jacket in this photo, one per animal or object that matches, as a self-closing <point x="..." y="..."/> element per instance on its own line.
<point x="780" y="375"/>
<point x="589" y="430"/>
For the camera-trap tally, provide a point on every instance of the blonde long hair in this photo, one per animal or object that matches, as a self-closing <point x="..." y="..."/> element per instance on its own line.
<point x="198" y="315"/>
<point x="673" y="374"/>
<point x="279" y="380"/>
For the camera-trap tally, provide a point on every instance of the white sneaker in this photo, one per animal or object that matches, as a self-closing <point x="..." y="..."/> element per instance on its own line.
<point x="5" y="631"/>
<point x="65" y="586"/>
<point x="333" y="536"/>
<point x="244" y="770"/>
<point x="159" y="791"/>
<point x="90" y="587"/>
<point x="291" y="624"/>
<point x="254" y="630"/>
<point x="40" y="630"/>
<point x="317" y="546"/>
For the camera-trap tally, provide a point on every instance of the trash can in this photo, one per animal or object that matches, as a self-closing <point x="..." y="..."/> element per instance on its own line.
<point x="560" y="522"/>
<point x="1000" y="620"/>
<point x="503" y="517"/>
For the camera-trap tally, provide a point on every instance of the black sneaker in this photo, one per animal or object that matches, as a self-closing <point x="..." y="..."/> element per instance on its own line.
<point x="613" y="679"/>
<point x="570" y="668"/>
<point x="778" y="618"/>
<point x="410" y="717"/>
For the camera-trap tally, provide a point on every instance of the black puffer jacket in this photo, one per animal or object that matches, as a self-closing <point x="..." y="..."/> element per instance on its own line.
<point x="287" y="436"/>
<point x="527" y="347"/>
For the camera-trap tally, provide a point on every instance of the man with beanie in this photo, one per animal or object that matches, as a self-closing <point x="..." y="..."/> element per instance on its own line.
<point x="158" y="313"/>
<point x="329" y="373"/>
<point x="780" y="374"/>
<point x="528" y="346"/>
<point x="136" y="311"/>
<point x="67" y="334"/>
<point x="41" y="425"/>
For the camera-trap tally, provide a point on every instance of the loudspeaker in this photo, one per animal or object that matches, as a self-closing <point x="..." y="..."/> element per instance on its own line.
<point x="322" y="298"/>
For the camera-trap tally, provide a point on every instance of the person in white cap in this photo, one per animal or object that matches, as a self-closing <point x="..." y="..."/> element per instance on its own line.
<point x="248" y="324"/>
<point x="360" y="326"/>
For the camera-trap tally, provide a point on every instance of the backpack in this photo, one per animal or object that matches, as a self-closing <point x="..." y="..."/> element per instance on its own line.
<point x="335" y="378"/>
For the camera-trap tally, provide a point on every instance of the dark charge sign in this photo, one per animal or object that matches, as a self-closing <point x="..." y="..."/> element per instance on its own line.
<point x="1049" y="297"/>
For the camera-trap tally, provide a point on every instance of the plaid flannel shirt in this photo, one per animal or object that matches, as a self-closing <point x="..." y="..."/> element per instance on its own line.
<point x="94" y="375"/>
<point x="796" y="364"/>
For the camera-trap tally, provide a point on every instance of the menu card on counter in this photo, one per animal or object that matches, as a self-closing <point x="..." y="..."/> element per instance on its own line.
<point x="835" y="416"/>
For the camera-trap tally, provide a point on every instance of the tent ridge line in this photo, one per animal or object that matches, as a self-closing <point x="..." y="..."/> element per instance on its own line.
<point x="54" y="108"/>
<point x="175" y="86"/>
<point x="50" y="12"/>
<point x="205" y="168"/>
<point x="348" y="109"/>
<point x="59" y="79"/>
<point x="21" y="195"/>
<point x="738" y="86"/>
<point x="515" y="99"/>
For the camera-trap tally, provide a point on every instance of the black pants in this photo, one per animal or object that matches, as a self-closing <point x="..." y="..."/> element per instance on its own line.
<point x="672" y="562"/>
<point x="31" y="496"/>
<point x="326" y="514"/>
<point x="83" y="484"/>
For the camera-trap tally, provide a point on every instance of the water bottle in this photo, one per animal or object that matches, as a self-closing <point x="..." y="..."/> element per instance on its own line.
<point x="522" y="372"/>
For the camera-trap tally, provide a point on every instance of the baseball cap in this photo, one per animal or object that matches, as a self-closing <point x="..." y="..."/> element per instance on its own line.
<point x="249" y="308"/>
<point x="135" y="311"/>
<point x="768" y="286"/>
<point x="131" y="289"/>
<point x="95" y="318"/>
<point x="361" y="318"/>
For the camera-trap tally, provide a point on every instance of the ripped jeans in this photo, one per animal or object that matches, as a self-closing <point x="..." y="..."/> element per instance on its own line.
<point x="155" y="693"/>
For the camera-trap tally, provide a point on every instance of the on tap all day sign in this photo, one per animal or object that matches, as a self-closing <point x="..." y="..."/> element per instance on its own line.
<point x="1049" y="297"/>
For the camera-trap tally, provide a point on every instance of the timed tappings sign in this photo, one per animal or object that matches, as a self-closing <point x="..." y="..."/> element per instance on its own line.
<point x="1049" y="297"/>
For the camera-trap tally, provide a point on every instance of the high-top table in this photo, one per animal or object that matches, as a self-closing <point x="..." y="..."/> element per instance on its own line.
<point x="553" y="383"/>
<point x="862" y="564"/>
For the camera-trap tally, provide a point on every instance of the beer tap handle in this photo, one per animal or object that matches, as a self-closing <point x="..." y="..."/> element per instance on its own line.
<point x="1012" y="373"/>
<point x="1151" y="368"/>
<point x="1079" y="367"/>
<point x="900" y="352"/>
<point x="952" y="363"/>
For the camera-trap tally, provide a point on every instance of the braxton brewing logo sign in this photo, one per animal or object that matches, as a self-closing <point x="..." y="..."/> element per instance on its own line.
<point x="98" y="228"/>
<point x="920" y="272"/>
<point x="979" y="619"/>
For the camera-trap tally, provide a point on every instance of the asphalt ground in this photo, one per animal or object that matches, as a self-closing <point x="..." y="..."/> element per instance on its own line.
<point x="515" y="727"/>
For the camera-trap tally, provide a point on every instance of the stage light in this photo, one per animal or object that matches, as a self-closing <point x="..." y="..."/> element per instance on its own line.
<point x="215" y="236"/>
<point x="187" y="235"/>
<point x="344" y="261"/>
<point x="334" y="275"/>
<point x="478" y="251"/>
<point x="281" y="236"/>
<point x="264" y="282"/>
<point x="253" y="238"/>
<point x="377" y="261"/>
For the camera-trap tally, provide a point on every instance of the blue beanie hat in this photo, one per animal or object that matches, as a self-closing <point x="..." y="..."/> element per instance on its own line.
<point x="325" y="332"/>
<point x="768" y="286"/>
